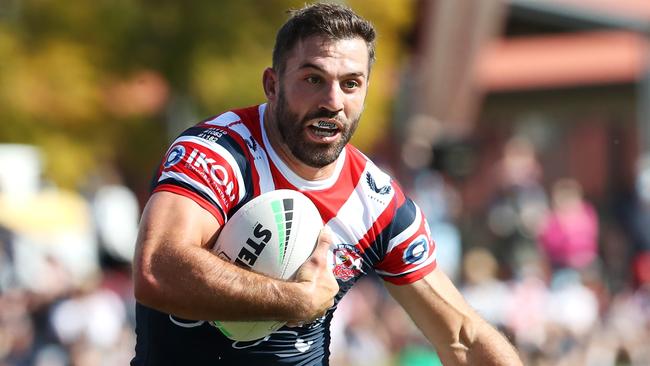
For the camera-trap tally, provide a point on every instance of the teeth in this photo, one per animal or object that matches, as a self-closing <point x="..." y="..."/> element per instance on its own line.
<point x="325" y="125"/>
<point x="324" y="133"/>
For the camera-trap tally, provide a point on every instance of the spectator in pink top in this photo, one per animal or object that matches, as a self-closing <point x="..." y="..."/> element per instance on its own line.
<point x="569" y="233"/>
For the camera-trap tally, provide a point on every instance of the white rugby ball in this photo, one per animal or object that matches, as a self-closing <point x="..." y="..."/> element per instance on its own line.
<point x="272" y="234"/>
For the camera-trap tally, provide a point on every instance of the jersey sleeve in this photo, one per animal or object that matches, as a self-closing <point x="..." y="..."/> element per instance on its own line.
<point x="410" y="251"/>
<point x="205" y="165"/>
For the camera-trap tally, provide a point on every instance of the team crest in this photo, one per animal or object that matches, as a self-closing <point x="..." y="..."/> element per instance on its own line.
<point x="347" y="262"/>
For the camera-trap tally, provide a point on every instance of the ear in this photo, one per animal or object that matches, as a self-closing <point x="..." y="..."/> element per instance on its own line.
<point x="271" y="84"/>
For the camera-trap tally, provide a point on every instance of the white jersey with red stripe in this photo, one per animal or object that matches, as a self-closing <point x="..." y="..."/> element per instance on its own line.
<point x="224" y="162"/>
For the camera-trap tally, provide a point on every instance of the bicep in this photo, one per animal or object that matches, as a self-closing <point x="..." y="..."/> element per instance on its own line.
<point x="170" y="222"/>
<point x="169" y="215"/>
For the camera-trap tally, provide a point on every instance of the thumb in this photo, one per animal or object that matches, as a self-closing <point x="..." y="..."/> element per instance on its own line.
<point x="324" y="239"/>
<point x="323" y="243"/>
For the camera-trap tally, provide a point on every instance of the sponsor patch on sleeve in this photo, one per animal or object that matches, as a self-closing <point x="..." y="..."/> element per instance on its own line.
<point x="204" y="171"/>
<point x="416" y="252"/>
<point x="410" y="258"/>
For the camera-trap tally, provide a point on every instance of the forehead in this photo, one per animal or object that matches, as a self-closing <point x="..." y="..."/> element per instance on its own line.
<point x="348" y="55"/>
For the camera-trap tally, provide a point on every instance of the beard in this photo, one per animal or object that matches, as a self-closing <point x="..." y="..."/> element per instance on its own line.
<point x="292" y="128"/>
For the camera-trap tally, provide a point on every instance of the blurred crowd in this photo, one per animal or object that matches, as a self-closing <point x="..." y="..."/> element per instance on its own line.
<point x="544" y="271"/>
<point x="567" y="285"/>
<point x="65" y="289"/>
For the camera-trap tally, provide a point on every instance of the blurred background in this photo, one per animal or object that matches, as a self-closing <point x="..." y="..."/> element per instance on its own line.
<point x="521" y="127"/>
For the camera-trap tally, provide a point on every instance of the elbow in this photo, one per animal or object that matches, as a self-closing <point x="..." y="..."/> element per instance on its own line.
<point x="461" y="342"/>
<point x="463" y="339"/>
<point x="145" y="287"/>
<point x="479" y="343"/>
<point x="468" y="333"/>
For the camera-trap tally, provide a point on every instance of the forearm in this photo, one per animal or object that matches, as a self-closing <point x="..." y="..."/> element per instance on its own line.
<point x="174" y="270"/>
<point x="193" y="283"/>
<point x="469" y="340"/>
<point x="489" y="347"/>
<point x="460" y="336"/>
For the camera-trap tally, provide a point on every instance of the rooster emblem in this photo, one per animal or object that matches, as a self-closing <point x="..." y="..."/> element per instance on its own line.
<point x="347" y="262"/>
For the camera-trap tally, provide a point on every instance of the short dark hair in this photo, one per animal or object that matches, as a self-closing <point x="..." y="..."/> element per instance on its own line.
<point x="331" y="21"/>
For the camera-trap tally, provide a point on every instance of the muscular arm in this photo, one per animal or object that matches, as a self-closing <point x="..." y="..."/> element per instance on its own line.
<point x="460" y="336"/>
<point x="175" y="271"/>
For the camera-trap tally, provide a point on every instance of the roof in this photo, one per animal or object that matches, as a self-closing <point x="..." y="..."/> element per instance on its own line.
<point x="585" y="58"/>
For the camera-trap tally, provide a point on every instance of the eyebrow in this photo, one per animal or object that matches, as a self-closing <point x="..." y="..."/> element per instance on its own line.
<point x="309" y="65"/>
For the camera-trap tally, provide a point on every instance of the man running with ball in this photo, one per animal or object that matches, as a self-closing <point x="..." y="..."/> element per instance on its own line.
<point x="297" y="140"/>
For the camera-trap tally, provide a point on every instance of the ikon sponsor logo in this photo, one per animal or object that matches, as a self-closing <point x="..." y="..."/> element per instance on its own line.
<point x="215" y="172"/>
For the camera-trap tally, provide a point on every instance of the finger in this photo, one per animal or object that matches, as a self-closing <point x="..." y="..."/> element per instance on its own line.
<point x="324" y="240"/>
<point x="326" y="233"/>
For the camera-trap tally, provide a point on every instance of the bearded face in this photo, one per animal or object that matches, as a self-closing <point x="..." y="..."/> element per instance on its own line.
<point x="321" y="122"/>
<point x="317" y="98"/>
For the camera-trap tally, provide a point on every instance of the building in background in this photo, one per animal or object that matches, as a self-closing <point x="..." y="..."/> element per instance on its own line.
<point x="571" y="77"/>
<point x="537" y="112"/>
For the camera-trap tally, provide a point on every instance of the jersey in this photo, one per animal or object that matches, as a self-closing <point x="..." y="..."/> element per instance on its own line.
<point x="224" y="162"/>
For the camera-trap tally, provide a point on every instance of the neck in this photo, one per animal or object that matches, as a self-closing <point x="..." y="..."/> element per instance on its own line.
<point x="296" y="165"/>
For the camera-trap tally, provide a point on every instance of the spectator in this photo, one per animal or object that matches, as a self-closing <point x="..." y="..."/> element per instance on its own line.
<point x="518" y="205"/>
<point x="569" y="233"/>
<point x="440" y="203"/>
<point x="487" y="294"/>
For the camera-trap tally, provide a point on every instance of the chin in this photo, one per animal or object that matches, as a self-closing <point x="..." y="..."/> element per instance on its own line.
<point x="318" y="157"/>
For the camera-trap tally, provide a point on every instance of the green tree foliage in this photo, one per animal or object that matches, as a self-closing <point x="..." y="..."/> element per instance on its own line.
<point x="97" y="82"/>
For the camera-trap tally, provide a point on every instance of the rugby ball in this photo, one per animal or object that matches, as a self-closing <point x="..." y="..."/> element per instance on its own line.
<point x="272" y="234"/>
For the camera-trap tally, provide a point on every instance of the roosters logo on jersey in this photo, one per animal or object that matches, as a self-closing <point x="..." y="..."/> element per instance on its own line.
<point x="347" y="262"/>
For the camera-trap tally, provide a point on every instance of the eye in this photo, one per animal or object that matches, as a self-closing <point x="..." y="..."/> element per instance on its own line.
<point x="315" y="80"/>
<point x="350" y="84"/>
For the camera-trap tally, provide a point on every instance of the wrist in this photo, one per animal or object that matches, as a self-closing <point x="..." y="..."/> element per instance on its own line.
<point x="291" y="295"/>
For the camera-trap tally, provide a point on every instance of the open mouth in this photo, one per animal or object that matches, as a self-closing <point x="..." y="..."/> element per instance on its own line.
<point x="323" y="128"/>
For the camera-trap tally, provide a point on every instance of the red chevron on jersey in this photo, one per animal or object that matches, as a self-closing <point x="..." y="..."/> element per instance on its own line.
<point x="329" y="200"/>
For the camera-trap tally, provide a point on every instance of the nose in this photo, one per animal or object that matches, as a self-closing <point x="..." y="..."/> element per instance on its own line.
<point x="333" y="97"/>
